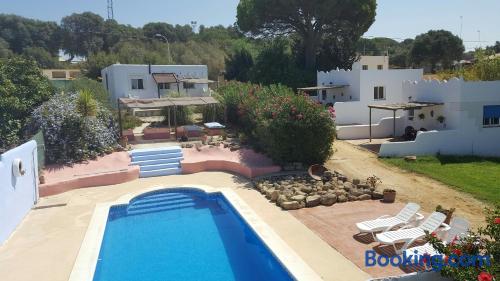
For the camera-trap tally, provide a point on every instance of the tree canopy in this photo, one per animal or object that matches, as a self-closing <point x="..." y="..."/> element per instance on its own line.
<point x="437" y="46"/>
<point x="312" y="20"/>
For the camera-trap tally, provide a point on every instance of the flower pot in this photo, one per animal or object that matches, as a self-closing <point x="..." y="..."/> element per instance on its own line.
<point x="123" y="141"/>
<point x="389" y="196"/>
<point x="41" y="178"/>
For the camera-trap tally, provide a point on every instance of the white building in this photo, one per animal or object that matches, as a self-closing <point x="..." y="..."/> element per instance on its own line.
<point x="470" y="115"/>
<point x="369" y="82"/>
<point x="154" y="81"/>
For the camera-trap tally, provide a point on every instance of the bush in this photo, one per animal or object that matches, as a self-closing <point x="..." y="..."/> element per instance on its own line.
<point x="69" y="135"/>
<point x="22" y="88"/>
<point x="130" y="121"/>
<point x="286" y="126"/>
<point x="99" y="93"/>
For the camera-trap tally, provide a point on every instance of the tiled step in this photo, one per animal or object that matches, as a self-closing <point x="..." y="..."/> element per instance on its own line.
<point x="147" y="157"/>
<point x="160" y="172"/>
<point x="157" y="161"/>
<point x="160" y="209"/>
<point x="150" y="151"/>
<point x="159" y="166"/>
<point x="151" y="204"/>
<point x="166" y="196"/>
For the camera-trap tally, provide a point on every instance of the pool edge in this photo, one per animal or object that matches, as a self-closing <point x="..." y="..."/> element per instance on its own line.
<point x="86" y="261"/>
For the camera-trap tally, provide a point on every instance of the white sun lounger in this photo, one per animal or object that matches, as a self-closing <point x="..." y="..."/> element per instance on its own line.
<point x="411" y="234"/>
<point x="386" y="223"/>
<point x="458" y="228"/>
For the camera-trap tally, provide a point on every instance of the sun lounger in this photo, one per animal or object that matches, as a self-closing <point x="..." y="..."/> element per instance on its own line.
<point x="386" y="223"/>
<point x="458" y="228"/>
<point x="409" y="234"/>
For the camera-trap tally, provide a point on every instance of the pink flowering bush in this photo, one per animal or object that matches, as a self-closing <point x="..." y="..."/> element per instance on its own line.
<point x="286" y="126"/>
<point x="485" y="242"/>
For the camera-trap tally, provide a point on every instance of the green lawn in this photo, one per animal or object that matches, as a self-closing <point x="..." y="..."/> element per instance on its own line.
<point x="479" y="177"/>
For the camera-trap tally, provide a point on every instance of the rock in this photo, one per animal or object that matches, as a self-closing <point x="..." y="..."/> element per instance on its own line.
<point x="328" y="174"/>
<point x="411" y="158"/>
<point x="376" y="195"/>
<point x="306" y="189"/>
<point x="342" y="178"/>
<point x="281" y="199"/>
<point x="313" y="201"/>
<point x="274" y="196"/>
<point x="363" y="186"/>
<point x="342" y="198"/>
<point x="298" y="198"/>
<point x="348" y="186"/>
<point x="328" y="199"/>
<point x="356" y="192"/>
<point x="356" y="181"/>
<point x="365" y="197"/>
<point x="351" y="197"/>
<point x="290" y="205"/>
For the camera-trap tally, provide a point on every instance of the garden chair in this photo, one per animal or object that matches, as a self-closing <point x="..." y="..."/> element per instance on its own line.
<point x="458" y="228"/>
<point x="386" y="223"/>
<point x="410" y="234"/>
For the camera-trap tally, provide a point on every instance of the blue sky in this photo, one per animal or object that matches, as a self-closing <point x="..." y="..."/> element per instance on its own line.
<point x="395" y="18"/>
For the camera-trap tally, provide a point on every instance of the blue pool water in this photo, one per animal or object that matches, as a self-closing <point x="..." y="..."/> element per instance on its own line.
<point x="183" y="235"/>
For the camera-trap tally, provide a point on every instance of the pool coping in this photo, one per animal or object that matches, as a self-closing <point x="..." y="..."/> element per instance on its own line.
<point x="86" y="261"/>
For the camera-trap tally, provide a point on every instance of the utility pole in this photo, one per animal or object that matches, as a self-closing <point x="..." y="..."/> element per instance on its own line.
<point x="111" y="15"/>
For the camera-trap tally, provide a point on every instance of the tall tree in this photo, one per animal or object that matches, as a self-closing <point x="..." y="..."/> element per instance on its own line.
<point x="82" y="34"/>
<point x="437" y="46"/>
<point x="238" y="65"/>
<point x="312" y="20"/>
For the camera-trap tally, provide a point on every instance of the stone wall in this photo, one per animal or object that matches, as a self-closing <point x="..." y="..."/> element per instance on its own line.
<point x="292" y="192"/>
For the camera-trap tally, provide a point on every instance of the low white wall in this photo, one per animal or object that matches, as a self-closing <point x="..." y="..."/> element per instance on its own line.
<point x="17" y="194"/>
<point x="384" y="129"/>
<point x="449" y="142"/>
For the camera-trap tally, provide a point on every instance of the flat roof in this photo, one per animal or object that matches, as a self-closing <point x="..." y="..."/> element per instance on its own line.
<point x="322" y="87"/>
<point x="166" y="102"/>
<point x="197" y="81"/>
<point x="405" y="106"/>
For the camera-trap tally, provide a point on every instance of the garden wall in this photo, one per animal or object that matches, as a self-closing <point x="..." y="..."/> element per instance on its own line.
<point x="17" y="194"/>
<point x="384" y="129"/>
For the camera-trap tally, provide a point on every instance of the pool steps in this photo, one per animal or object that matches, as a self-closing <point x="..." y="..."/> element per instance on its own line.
<point x="155" y="162"/>
<point x="160" y="202"/>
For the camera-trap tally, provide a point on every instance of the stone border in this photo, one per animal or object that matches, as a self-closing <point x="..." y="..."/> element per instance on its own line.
<point x="86" y="261"/>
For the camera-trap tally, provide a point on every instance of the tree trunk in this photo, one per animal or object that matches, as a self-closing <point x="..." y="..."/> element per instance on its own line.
<point x="310" y="46"/>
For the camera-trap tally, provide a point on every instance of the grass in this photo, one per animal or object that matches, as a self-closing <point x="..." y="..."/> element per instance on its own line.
<point x="477" y="176"/>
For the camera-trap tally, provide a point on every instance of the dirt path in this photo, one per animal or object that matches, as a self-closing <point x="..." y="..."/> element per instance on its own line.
<point x="358" y="163"/>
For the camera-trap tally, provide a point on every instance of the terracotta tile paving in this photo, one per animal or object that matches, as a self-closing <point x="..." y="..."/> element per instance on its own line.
<point x="336" y="226"/>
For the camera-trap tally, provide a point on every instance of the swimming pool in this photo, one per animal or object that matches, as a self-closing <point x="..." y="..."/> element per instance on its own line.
<point x="182" y="234"/>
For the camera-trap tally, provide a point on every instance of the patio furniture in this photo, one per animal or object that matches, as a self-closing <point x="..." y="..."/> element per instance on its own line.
<point x="214" y="128"/>
<point x="409" y="234"/>
<point x="386" y="223"/>
<point x="189" y="131"/>
<point x="458" y="228"/>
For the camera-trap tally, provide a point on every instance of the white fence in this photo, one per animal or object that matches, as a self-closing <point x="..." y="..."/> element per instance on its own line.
<point x="384" y="129"/>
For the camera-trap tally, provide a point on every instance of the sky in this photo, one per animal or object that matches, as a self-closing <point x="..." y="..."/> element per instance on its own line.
<point x="398" y="19"/>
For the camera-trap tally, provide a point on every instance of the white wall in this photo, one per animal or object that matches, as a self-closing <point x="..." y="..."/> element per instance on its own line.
<point x="463" y="132"/>
<point x="384" y="129"/>
<point x="372" y="62"/>
<point x="17" y="194"/>
<point x="117" y="80"/>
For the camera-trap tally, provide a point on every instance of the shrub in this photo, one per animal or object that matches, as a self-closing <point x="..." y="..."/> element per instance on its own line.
<point x="69" y="135"/>
<point x="286" y="126"/>
<point x="22" y="88"/>
<point x="99" y="93"/>
<point x="85" y="104"/>
<point x="130" y="121"/>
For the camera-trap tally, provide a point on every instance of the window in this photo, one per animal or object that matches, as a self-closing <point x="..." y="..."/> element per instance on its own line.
<point x="163" y="86"/>
<point x="365" y="67"/>
<point x="378" y="93"/>
<point x="323" y="94"/>
<point x="188" y="85"/>
<point x="137" y="84"/>
<point x="491" y="115"/>
<point x="380" y="67"/>
<point x="411" y="114"/>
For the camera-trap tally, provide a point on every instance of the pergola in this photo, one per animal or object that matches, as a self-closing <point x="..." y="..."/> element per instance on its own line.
<point x="320" y="88"/>
<point x="398" y="106"/>
<point x="160" y="103"/>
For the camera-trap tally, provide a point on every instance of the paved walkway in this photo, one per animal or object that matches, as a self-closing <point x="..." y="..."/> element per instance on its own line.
<point x="336" y="226"/>
<point x="45" y="245"/>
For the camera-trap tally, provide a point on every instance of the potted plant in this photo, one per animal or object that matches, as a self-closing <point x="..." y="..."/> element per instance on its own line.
<point x="441" y="119"/>
<point x="447" y="212"/>
<point x="421" y="116"/>
<point x="389" y="195"/>
<point x="373" y="182"/>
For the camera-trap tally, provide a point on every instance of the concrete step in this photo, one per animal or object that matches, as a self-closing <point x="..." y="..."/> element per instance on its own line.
<point x="160" y="172"/>
<point x="159" y="166"/>
<point x="160" y="209"/>
<point x="158" y="161"/>
<point x="152" y="204"/>
<point x="159" y="150"/>
<point x="148" y="157"/>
